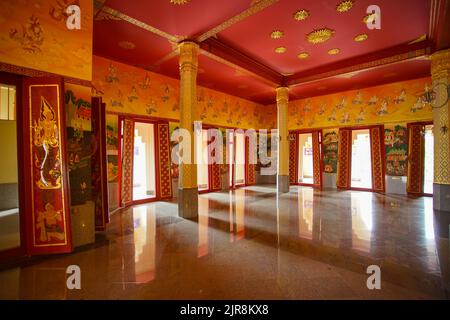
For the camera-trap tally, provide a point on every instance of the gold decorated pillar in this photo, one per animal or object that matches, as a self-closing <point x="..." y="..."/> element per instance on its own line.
<point x="187" y="181"/>
<point x="440" y="73"/>
<point x="283" y="142"/>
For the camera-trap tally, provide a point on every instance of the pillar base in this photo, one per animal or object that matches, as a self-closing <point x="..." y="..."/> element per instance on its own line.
<point x="441" y="197"/>
<point x="188" y="203"/>
<point x="282" y="184"/>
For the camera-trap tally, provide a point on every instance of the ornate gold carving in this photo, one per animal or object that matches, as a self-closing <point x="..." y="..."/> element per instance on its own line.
<point x="344" y="6"/>
<point x="258" y="6"/>
<point x="440" y="73"/>
<point x="361" y="37"/>
<point x="319" y="35"/>
<point x="188" y="56"/>
<point x="277" y="34"/>
<point x="301" y="15"/>
<point x="140" y="24"/>
<point x="45" y="136"/>
<point x="303" y="55"/>
<point x="179" y="2"/>
<point x="280" y="49"/>
<point x="282" y="94"/>
<point x="334" y="51"/>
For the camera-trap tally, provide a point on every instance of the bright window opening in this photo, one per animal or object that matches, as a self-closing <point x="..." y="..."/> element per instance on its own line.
<point x="361" y="160"/>
<point x="429" y="159"/>
<point x="305" y="158"/>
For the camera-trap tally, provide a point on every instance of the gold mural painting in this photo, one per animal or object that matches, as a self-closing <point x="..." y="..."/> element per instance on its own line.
<point x="130" y="90"/>
<point x="33" y="34"/>
<point x="395" y="102"/>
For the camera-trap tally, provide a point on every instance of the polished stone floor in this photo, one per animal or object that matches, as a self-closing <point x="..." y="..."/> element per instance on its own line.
<point x="251" y="244"/>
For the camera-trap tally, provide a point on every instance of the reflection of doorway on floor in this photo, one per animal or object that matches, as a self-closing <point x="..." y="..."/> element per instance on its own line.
<point x="305" y="158"/>
<point x="361" y="160"/>
<point x="144" y="168"/>
<point x="9" y="180"/>
<point x="428" y="162"/>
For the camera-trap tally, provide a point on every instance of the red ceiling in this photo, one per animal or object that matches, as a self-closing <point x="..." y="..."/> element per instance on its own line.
<point x="402" y="21"/>
<point x="250" y="46"/>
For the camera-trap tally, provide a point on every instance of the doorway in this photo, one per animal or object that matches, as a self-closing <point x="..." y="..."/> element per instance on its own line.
<point x="305" y="159"/>
<point x="11" y="186"/>
<point x="239" y="170"/>
<point x="428" y="174"/>
<point x="361" y="162"/>
<point x="202" y="161"/>
<point x="144" y="167"/>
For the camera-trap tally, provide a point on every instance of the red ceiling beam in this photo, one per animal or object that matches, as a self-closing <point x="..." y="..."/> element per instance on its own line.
<point x="440" y="24"/>
<point x="218" y="48"/>
<point x="378" y="58"/>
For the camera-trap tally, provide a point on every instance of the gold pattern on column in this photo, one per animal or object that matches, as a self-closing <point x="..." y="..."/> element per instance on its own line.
<point x="188" y="100"/>
<point x="440" y="73"/>
<point x="282" y="125"/>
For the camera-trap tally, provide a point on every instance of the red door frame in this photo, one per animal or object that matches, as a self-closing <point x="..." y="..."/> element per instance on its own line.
<point x="383" y="156"/>
<point x="423" y="123"/>
<point x="312" y="131"/>
<point x="155" y="142"/>
<point x="16" y="80"/>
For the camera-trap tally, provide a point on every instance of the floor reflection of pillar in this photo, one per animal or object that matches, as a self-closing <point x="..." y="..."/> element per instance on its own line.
<point x="442" y="230"/>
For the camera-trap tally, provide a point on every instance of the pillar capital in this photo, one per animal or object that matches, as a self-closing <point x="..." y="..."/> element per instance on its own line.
<point x="440" y="64"/>
<point x="282" y="94"/>
<point x="188" y="60"/>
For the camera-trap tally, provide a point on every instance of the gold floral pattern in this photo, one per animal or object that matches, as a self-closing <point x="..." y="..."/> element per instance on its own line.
<point x="277" y="34"/>
<point x="320" y="35"/>
<point x="334" y="51"/>
<point x="344" y="6"/>
<point x="301" y="15"/>
<point x="280" y="50"/>
<point x="361" y="37"/>
<point x="303" y="55"/>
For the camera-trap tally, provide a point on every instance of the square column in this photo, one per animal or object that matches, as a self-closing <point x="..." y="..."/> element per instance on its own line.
<point x="187" y="187"/>
<point x="440" y="73"/>
<point x="283" y="142"/>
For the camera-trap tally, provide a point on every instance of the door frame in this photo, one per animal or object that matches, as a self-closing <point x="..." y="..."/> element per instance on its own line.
<point x="312" y="131"/>
<point x="383" y="154"/>
<point x="16" y="80"/>
<point x="423" y="123"/>
<point x="156" y="139"/>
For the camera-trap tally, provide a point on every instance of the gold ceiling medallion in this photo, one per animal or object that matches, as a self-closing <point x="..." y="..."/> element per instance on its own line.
<point x="361" y="37"/>
<point x="301" y="15"/>
<point x="179" y="2"/>
<point x="303" y="55"/>
<point x="345" y="6"/>
<point x="334" y="51"/>
<point x="280" y="50"/>
<point x="276" y="34"/>
<point x="319" y="35"/>
<point x="127" y="45"/>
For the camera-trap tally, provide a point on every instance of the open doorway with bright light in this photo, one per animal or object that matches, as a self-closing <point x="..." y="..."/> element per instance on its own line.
<point x="239" y="171"/>
<point x="202" y="161"/>
<point x="361" y="162"/>
<point x="428" y="161"/>
<point x="305" y="159"/>
<point x="144" y="168"/>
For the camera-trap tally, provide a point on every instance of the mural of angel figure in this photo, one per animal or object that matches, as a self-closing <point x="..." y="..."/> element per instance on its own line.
<point x="307" y="107"/>
<point x="383" y="109"/>
<point x="203" y="114"/>
<point x="166" y="94"/>
<point x="361" y="116"/>
<point x="419" y="105"/>
<point x="322" y="108"/>
<point x="345" y="117"/>
<point x="312" y="121"/>
<point x="134" y="94"/>
<point x="230" y="118"/>
<point x="358" y="98"/>
<point x="341" y="104"/>
<point x="118" y="102"/>
<point x="145" y="83"/>
<point x="372" y="101"/>
<point x="225" y="107"/>
<point x="112" y="74"/>
<point x="332" y="116"/>
<point x="401" y="97"/>
<point x="175" y="107"/>
<point x="151" y="107"/>
<point x="210" y="102"/>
